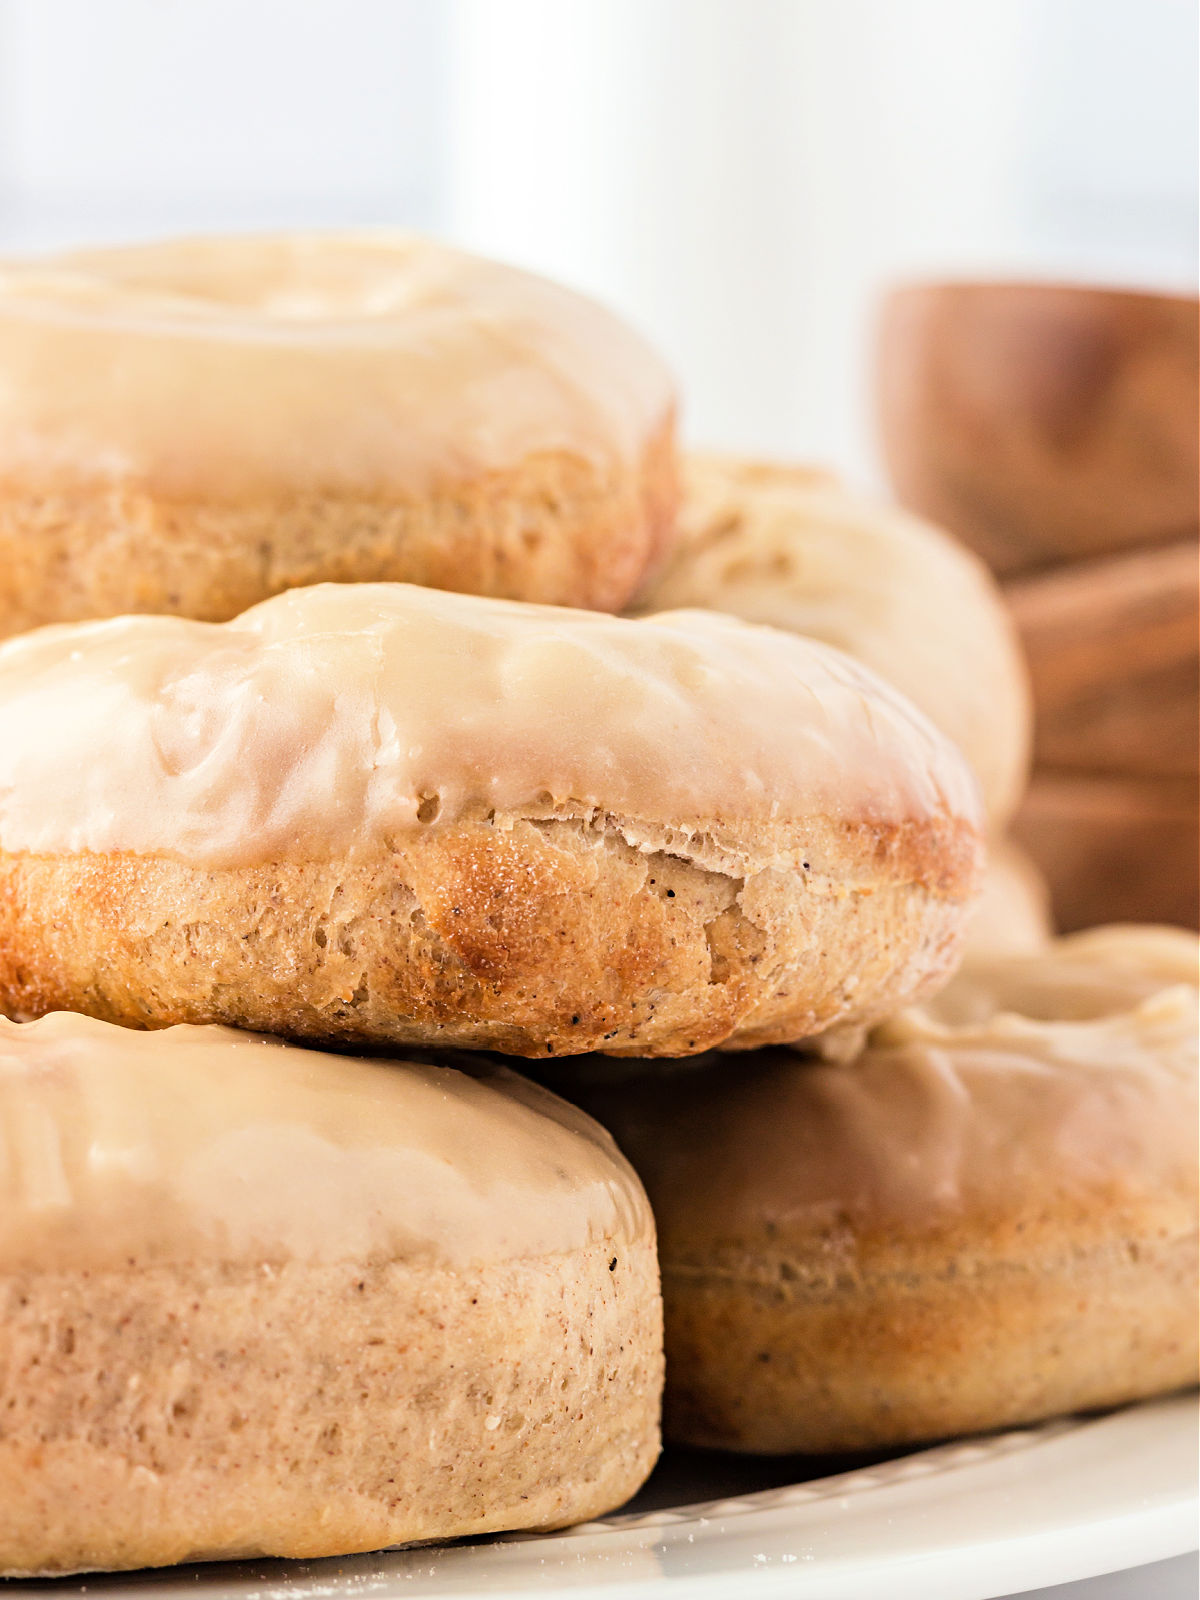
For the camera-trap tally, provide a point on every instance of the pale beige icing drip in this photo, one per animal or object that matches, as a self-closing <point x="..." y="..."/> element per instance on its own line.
<point x="207" y="1143"/>
<point x="329" y="717"/>
<point x="357" y="363"/>
<point x="1007" y="1116"/>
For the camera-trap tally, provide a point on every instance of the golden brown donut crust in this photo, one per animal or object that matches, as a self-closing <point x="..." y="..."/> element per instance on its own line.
<point x="533" y="935"/>
<point x="976" y="1223"/>
<point x="849" y="1353"/>
<point x="559" y="529"/>
<point x="185" y="1413"/>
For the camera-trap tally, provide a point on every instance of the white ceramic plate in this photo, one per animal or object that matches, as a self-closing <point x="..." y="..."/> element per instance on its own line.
<point x="967" y="1521"/>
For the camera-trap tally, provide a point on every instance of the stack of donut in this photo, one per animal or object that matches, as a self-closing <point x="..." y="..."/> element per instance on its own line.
<point x="332" y="788"/>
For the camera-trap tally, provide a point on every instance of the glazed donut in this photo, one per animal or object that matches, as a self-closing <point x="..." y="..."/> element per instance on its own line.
<point x="789" y="546"/>
<point x="1081" y="977"/>
<point x="382" y="813"/>
<point x="1012" y="916"/>
<point x="191" y="426"/>
<point x="263" y="1301"/>
<point x="973" y="1226"/>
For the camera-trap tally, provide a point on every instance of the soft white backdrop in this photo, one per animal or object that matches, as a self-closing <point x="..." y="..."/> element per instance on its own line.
<point x="747" y="178"/>
<point x="742" y="177"/>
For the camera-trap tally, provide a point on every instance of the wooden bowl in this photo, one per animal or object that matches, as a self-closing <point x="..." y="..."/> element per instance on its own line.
<point x="1114" y="849"/>
<point x="1042" y="423"/>
<point x="1113" y="648"/>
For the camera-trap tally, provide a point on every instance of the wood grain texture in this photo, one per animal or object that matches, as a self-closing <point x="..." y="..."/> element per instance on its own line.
<point x="1040" y="422"/>
<point x="1114" y="657"/>
<point x="1114" y="849"/>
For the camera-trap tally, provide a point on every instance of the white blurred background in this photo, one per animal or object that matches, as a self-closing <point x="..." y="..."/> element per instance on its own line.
<point x="741" y="177"/>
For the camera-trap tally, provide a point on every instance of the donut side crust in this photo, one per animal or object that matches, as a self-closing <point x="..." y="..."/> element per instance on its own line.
<point x="558" y="529"/>
<point x="164" y="1414"/>
<point x="533" y="936"/>
<point x="793" y="1353"/>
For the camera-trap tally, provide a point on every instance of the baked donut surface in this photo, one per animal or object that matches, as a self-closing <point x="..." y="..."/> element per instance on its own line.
<point x="790" y="546"/>
<point x="191" y="426"/>
<point x="976" y="1224"/>
<point x="1080" y="977"/>
<point x="1012" y="915"/>
<point x="259" y="1300"/>
<point x="383" y="813"/>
